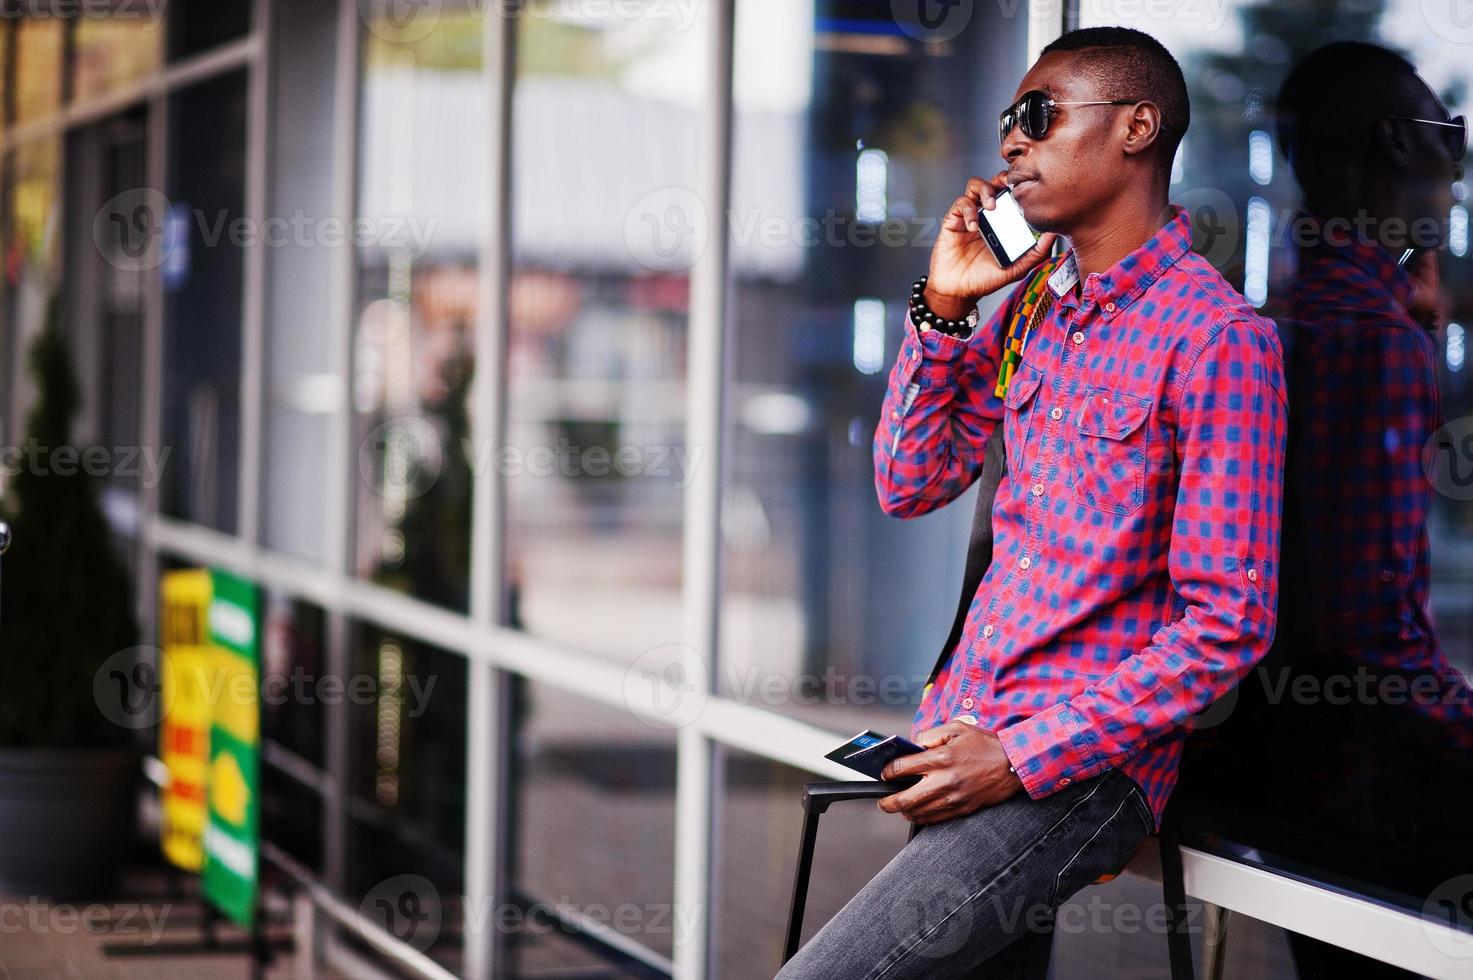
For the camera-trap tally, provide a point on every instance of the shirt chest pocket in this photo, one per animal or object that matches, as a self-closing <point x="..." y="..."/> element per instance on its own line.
<point x="1110" y="451"/>
<point x="1019" y="401"/>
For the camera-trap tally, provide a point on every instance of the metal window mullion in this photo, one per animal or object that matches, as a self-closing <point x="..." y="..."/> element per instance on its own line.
<point x="151" y="394"/>
<point x="338" y="500"/>
<point x="701" y="552"/>
<point x="488" y="735"/>
<point x="253" y="298"/>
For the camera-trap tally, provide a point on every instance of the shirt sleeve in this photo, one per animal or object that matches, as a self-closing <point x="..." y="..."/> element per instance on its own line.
<point x="939" y="411"/>
<point x="1222" y="559"/>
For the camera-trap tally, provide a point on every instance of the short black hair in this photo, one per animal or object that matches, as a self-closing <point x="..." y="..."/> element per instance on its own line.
<point x="1331" y="102"/>
<point x="1125" y="63"/>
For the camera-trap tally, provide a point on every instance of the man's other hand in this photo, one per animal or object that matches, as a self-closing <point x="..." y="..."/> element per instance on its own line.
<point x="962" y="769"/>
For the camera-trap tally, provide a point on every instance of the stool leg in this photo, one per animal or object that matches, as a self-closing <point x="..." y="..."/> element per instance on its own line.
<point x="1214" y="940"/>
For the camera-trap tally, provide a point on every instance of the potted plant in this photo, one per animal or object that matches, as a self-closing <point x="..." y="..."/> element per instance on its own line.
<point x="67" y="772"/>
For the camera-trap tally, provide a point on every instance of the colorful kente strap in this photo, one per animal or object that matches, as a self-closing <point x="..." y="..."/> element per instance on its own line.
<point x="1037" y="298"/>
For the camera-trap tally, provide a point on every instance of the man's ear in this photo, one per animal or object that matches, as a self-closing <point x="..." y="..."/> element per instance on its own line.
<point x="1394" y="140"/>
<point x="1143" y="127"/>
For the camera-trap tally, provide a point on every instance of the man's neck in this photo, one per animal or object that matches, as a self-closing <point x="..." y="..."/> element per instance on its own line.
<point x="1119" y="232"/>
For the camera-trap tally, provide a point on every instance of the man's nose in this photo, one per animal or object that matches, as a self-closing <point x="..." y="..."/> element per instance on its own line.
<point x="1014" y="144"/>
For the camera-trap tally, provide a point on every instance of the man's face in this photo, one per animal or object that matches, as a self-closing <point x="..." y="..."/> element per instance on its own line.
<point x="1430" y="172"/>
<point x="1077" y="166"/>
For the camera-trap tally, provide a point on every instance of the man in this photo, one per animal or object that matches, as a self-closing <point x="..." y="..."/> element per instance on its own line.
<point x="1136" y="528"/>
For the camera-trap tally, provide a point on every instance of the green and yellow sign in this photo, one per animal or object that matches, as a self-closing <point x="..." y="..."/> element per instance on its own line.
<point x="232" y="825"/>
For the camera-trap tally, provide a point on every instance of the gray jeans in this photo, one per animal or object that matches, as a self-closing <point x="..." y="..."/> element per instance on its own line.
<point x="975" y="897"/>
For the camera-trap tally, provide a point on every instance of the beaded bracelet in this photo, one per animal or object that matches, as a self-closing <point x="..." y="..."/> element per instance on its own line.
<point x="925" y="318"/>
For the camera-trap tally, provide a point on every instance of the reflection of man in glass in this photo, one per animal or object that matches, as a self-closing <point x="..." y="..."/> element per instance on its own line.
<point x="1136" y="527"/>
<point x="1364" y="749"/>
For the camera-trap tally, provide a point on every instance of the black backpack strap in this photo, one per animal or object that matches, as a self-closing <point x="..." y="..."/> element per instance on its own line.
<point x="979" y="550"/>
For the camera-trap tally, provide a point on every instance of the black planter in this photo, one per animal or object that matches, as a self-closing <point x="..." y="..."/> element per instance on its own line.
<point x="66" y="816"/>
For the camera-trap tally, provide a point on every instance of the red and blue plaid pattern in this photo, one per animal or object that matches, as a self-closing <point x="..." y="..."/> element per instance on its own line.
<point x="1136" y="528"/>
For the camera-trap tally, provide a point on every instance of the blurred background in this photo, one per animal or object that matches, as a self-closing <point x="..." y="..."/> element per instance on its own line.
<point x="516" y="365"/>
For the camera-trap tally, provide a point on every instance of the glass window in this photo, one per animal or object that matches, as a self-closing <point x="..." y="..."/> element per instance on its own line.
<point x="195" y="26"/>
<point x="406" y="789"/>
<point x="854" y="132"/>
<point x="112" y="50"/>
<point x="107" y="266"/>
<point x="30" y="281"/>
<point x="607" y="112"/>
<point x="303" y="387"/>
<point x="593" y="828"/>
<point x="295" y="689"/>
<point x="39" y="44"/>
<point x="758" y="824"/>
<point x="422" y="219"/>
<point x="202" y="273"/>
<point x="1282" y="771"/>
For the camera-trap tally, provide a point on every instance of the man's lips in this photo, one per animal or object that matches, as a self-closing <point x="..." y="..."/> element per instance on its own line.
<point x="1016" y="181"/>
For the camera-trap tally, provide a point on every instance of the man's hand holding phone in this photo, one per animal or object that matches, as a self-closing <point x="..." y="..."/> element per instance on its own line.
<point x="963" y="268"/>
<point x="962" y="769"/>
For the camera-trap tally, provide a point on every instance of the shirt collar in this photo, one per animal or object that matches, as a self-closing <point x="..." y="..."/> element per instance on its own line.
<point x="1127" y="279"/>
<point x="1369" y="257"/>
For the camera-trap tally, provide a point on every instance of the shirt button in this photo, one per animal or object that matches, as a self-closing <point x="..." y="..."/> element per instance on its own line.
<point x="895" y="415"/>
<point x="1109" y="307"/>
<point x="987" y="630"/>
<point x="969" y="719"/>
<point x="915" y="353"/>
<point x="1079" y="336"/>
<point x="1064" y="780"/>
<point x="1038" y="489"/>
<point x="1026" y="562"/>
<point x="1056" y="413"/>
<point x="1253" y="575"/>
<point x="968" y="702"/>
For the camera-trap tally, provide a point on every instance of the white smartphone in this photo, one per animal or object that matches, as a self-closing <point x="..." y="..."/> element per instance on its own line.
<point x="1006" y="230"/>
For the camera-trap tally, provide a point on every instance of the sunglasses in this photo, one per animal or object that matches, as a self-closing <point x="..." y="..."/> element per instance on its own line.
<point x="1035" y="110"/>
<point x="1454" y="133"/>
